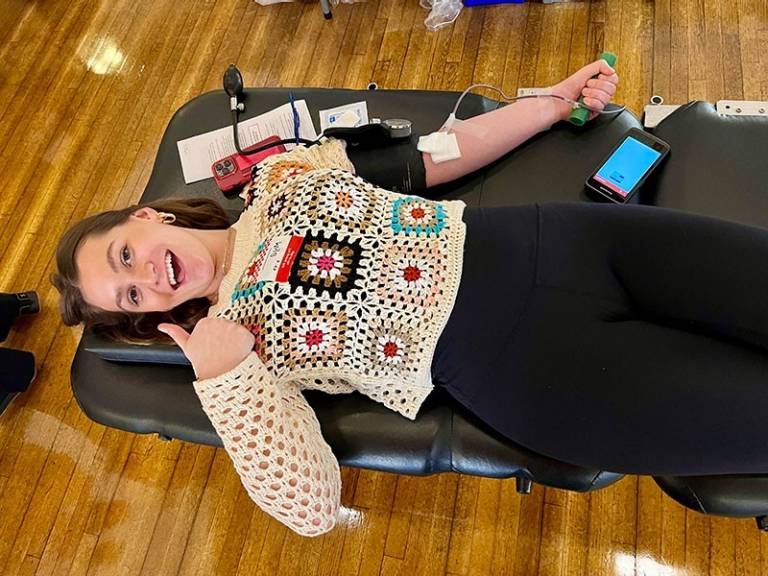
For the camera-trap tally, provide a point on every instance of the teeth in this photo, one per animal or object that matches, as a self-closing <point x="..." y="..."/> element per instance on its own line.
<point x="169" y="269"/>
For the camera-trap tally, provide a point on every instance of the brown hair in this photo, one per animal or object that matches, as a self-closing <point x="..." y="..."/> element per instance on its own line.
<point x="141" y="328"/>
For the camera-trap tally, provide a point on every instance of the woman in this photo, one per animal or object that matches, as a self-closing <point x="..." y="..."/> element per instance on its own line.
<point x="328" y="282"/>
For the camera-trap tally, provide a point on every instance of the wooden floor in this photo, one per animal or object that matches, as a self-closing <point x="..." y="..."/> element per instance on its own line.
<point x="86" y="89"/>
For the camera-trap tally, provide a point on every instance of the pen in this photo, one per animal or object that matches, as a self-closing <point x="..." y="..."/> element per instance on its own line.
<point x="296" y="122"/>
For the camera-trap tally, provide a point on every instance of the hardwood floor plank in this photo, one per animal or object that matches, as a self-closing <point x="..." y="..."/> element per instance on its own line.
<point x="531" y="41"/>
<point x="349" y="48"/>
<point x="374" y="541"/>
<point x="697" y="67"/>
<point x="750" y="24"/>
<point x="715" y="69"/>
<point x="24" y="459"/>
<point x="673" y="524"/>
<point x="554" y="533"/>
<point x="529" y="533"/>
<point x="182" y="499"/>
<point x="428" y="537"/>
<point x="507" y="523"/>
<point x="361" y="70"/>
<point x="14" y="11"/>
<point x="577" y="546"/>
<point x="697" y="542"/>
<point x="417" y="62"/>
<point x="55" y="478"/>
<point x="127" y="530"/>
<point x="649" y="521"/>
<point x="465" y="71"/>
<point x="723" y="547"/>
<point x="486" y="514"/>
<point x="491" y="61"/>
<point x="85" y="503"/>
<point x="332" y="545"/>
<point x="462" y="530"/>
<point x="391" y="567"/>
<point x="400" y="521"/>
<point x="327" y="58"/>
<point x="195" y="551"/>
<point x="680" y="52"/>
<point x="634" y="60"/>
<point x="233" y="514"/>
<point x="50" y="546"/>
<point x="600" y="556"/>
<point x="83" y="555"/>
<point x="732" y="71"/>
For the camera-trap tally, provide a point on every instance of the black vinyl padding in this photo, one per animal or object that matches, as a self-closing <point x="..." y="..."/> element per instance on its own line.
<point x="716" y="168"/>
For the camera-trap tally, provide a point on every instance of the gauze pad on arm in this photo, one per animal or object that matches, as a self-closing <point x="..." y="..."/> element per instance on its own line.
<point x="441" y="146"/>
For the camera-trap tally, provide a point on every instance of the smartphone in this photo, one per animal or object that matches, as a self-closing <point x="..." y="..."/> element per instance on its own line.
<point x="234" y="172"/>
<point x="625" y="169"/>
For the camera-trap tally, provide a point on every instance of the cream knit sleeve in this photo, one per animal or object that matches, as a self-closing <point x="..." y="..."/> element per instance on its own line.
<point x="274" y="440"/>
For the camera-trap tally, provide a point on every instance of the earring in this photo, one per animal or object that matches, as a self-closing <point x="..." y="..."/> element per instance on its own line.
<point x="167" y="217"/>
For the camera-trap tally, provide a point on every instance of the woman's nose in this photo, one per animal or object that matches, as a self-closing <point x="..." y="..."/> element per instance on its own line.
<point x="146" y="274"/>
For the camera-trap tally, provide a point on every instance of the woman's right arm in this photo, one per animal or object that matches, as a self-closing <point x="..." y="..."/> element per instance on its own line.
<point x="485" y="138"/>
<point x="269" y="431"/>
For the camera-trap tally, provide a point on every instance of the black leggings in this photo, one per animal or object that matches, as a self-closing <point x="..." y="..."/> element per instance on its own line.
<point x="631" y="339"/>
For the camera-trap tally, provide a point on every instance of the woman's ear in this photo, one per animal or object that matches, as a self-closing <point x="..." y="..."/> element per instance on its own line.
<point x="146" y="213"/>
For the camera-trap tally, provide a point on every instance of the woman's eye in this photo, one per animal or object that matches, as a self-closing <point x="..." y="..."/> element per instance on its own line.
<point x="125" y="256"/>
<point x="133" y="296"/>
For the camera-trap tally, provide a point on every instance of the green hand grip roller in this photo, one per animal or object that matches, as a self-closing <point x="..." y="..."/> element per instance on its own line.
<point x="579" y="116"/>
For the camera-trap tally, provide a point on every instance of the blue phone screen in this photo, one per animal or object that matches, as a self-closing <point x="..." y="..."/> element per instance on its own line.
<point x="626" y="166"/>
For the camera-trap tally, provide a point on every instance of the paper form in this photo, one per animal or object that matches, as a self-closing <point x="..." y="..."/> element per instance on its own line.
<point x="199" y="152"/>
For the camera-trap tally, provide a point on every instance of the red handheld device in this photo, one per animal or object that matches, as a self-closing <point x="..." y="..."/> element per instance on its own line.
<point x="234" y="171"/>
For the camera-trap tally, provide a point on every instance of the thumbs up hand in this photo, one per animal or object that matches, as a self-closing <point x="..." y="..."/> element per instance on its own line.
<point x="215" y="346"/>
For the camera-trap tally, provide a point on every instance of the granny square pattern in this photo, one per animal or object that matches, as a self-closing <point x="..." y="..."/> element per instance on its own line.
<point x="313" y="335"/>
<point x="417" y="216"/>
<point x="326" y="264"/>
<point x="342" y="201"/>
<point x="412" y="273"/>
<point x="248" y="283"/>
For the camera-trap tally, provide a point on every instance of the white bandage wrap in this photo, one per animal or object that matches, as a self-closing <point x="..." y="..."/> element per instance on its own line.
<point x="441" y="146"/>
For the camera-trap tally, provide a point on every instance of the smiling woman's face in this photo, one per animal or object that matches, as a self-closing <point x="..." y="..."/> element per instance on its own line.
<point x="144" y="265"/>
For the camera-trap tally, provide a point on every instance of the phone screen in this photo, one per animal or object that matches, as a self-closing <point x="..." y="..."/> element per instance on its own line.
<point x="626" y="166"/>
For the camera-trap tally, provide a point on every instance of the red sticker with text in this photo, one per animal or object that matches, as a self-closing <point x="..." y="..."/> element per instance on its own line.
<point x="282" y="251"/>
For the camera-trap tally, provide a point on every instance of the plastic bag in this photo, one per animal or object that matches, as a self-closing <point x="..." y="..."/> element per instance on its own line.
<point x="442" y="12"/>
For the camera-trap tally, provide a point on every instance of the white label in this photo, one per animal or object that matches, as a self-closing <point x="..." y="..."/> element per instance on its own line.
<point x="281" y="252"/>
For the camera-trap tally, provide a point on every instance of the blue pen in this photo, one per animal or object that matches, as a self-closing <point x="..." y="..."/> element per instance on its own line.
<point x="296" y="122"/>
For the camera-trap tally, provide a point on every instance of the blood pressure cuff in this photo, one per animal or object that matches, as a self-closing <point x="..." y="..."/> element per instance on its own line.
<point x="396" y="166"/>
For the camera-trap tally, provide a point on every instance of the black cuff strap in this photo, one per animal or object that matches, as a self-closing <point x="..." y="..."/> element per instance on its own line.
<point x="397" y="166"/>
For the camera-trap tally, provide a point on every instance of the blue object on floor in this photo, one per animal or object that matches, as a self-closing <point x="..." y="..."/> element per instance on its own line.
<point x="485" y="2"/>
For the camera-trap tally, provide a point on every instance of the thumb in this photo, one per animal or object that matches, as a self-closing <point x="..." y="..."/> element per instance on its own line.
<point x="177" y="333"/>
<point x="597" y="67"/>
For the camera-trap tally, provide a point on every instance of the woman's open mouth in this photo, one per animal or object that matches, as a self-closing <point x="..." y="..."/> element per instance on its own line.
<point x="173" y="270"/>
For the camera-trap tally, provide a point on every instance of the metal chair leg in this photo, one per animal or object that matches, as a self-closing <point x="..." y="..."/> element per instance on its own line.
<point x="326" y="6"/>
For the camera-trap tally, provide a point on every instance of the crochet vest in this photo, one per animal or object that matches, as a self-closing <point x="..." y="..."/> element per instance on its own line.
<point x="346" y="286"/>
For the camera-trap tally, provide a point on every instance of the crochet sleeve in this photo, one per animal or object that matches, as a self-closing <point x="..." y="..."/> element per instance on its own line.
<point x="274" y="440"/>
